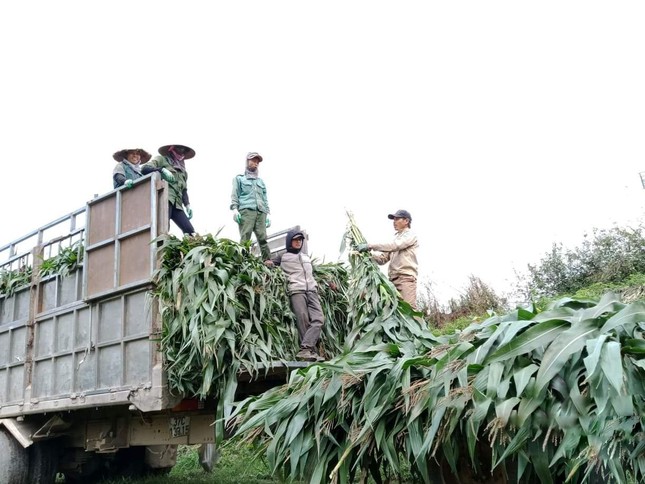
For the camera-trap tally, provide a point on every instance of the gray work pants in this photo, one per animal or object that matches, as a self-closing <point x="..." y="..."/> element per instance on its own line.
<point x="309" y="317"/>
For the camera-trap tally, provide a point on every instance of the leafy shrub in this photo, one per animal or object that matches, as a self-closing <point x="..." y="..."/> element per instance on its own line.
<point x="606" y="256"/>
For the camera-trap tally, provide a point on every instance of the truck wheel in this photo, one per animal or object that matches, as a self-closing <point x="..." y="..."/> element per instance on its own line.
<point x="43" y="462"/>
<point x="14" y="459"/>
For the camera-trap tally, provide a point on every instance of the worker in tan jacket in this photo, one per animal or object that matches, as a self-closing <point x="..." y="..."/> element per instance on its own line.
<point x="401" y="253"/>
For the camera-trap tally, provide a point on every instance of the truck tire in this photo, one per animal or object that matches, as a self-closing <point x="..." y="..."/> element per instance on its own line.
<point x="43" y="462"/>
<point x="14" y="459"/>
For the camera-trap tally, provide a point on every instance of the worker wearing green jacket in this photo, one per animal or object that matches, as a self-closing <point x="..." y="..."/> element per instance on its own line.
<point x="171" y="164"/>
<point x="250" y="205"/>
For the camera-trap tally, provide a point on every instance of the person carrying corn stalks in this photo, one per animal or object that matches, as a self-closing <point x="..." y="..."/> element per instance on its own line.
<point x="303" y="295"/>
<point x="401" y="253"/>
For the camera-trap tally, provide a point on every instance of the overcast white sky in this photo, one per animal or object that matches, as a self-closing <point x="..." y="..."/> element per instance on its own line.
<point x="501" y="126"/>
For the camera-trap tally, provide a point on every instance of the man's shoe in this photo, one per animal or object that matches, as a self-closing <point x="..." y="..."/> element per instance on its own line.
<point x="306" y="355"/>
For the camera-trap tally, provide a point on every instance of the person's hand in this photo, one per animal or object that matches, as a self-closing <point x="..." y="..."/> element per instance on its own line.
<point x="189" y="212"/>
<point x="128" y="184"/>
<point x="362" y="247"/>
<point x="333" y="286"/>
<point x="267" y="222"/>
<point x="269" y="263"/>
<point x="237" y="218"/>
<point x="167" y="175"/>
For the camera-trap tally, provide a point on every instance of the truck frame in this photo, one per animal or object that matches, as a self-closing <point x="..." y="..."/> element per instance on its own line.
<point x="83" y="389"/>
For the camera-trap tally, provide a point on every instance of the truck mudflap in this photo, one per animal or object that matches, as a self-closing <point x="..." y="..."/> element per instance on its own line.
<point x="20" y="430"/>
<point x="29" y="431"/>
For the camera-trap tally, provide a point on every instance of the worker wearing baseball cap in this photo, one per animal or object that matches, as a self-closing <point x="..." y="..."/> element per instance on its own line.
<point x="401" y="253"/>
<point x="250" y="205"/>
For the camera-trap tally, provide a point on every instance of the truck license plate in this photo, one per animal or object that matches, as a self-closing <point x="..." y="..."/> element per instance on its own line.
<point x="179" y="426"/>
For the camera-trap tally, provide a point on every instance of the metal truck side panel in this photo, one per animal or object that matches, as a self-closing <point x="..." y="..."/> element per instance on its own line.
<point x="89" y="338"/>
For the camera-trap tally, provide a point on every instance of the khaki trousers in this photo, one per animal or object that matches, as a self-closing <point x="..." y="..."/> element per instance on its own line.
<point x="407" y="287"/>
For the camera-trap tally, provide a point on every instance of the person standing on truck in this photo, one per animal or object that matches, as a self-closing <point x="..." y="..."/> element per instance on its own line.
<point x="250" y="205"/>
<point x="401" y="253"/>
<point x="303" y="295"/>
<point x="128" y="166"/>
<point x="171" y="164"/>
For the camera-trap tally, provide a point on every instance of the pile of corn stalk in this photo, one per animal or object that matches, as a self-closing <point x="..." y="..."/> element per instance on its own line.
<point x="529" y="396"/>
<point x="223" y="311"/>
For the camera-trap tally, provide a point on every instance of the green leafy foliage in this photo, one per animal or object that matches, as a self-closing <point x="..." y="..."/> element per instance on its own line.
<point x="67" y="260"/>
<point x="605" y="256"/>
<point x="11" y="280"/>
<point x="543" y="396"/>
<point x="224" y="312"/>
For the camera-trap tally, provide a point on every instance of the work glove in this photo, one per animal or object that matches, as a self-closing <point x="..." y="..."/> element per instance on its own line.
<point x="167" y="175"/>
<point x="237" y="218"/>
<point x="189" y="212"/>
<point x="128" y="184"/>
<point x="362" y="248"/>
<point x="267" y="222"/>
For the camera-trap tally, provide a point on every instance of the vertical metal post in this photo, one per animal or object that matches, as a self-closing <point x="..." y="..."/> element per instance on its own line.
<point x="642" y="174"/>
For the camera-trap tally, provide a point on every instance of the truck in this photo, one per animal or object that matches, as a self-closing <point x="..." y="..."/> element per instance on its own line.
<point x="83" y="390"/>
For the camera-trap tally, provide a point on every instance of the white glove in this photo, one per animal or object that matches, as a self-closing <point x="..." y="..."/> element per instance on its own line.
<point x="237" y="218"/>
<point x="189" y="212"/>
<point x="267" y="222"/>
<point x="128" y="184"/>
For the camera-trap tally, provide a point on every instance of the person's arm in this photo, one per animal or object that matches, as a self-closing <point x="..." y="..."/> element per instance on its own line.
<point x="184" y="197"/>
<point x="266" y="199"/>
<point x="119" y="179"/>
<point x="381" y="258"/>
<point x="149" y="167"/>
<point x="235" y="195"/>
<point x="400" y="243"/>
<point x="118" y="175"/>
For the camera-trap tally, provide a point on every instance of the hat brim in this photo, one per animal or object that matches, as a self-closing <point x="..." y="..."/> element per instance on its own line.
<point x="123" y="154"/>
<point x="257" y="157"/>
<point x="188" y="152"/>
<point x="392" y="216"/>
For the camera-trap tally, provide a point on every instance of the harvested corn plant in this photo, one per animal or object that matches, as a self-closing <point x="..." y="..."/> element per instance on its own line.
<point x="64" y="262"/>
<point x="530" y="396"/>
<point x="223" y="311"/>
<point x="11" y="280"/>
<point x="332" y="288"/>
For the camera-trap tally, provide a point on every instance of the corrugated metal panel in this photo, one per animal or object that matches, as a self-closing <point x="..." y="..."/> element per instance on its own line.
<point x="92" y="336"/>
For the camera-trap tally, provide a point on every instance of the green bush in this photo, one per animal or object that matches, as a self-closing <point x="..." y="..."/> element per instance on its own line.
<point x="607" y="256"/>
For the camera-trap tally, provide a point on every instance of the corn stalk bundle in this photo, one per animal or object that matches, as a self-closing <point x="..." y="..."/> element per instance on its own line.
<point x="223" y="311"/>
<point x="539" y="397"/>
<point x="12" y="280"/>
<point x="332" y="289"/>
<point x="66" y="261"/>
<point x="376" y="313"/>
